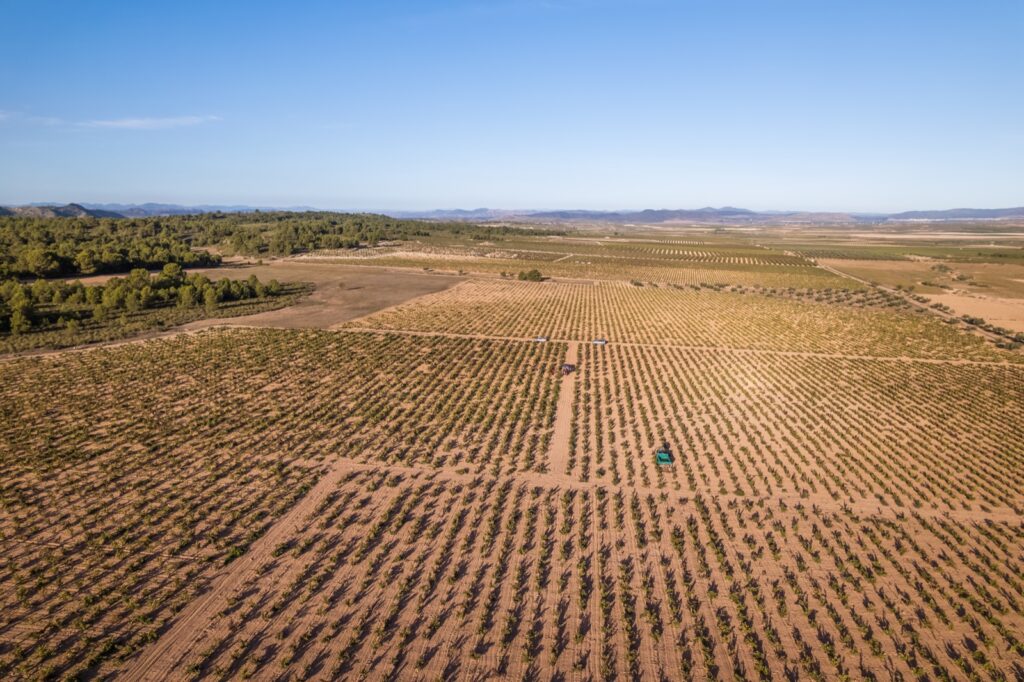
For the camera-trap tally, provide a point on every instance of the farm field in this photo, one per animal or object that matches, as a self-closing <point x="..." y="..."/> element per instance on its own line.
<point x="169" y="458"/>
<point x="991" y="291"/>
<point x="676" y="261"/>
<point x="419" y="493"/>
<point x="625" y="313"/>
<point x="994" y="280"/>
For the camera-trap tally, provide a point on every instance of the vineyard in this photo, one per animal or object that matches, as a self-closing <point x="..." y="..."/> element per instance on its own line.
<point x="464" y="486"/>
<point x="682" y="316"/>
<point x="160" y="468"/>
<point x="425" y="575"/>
<point x="720" y="263"/>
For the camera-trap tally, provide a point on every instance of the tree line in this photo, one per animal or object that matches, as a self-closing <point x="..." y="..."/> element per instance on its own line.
<point x="49" y="304"/>
<point x="61" y="247"/>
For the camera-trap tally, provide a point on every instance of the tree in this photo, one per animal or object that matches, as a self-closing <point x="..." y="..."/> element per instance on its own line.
<point x="20" y="322"/>
<point x="138" y="278"/>
<point x="172" y="272"/>
<point x="531" y="276"/>
<point x="38" y="261"/>
<point x="210" y="299"/>
<point x="186" y="296"/>
<point x="85" y="262"/>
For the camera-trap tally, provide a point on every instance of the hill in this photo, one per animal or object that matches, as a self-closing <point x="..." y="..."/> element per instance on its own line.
<point x="156" y="209"/>
<point x="961" y="214"/>
<point x="54" y="211"/>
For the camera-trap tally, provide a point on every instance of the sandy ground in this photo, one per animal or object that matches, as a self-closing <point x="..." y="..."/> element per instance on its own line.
<point x="558" y="456"/>
<point x="978" y="297"/>
<point x="1002" y="312"/>
<point x="994" y="280"/>
<point x="969" y="236"/>
<point x="191" y="624"/>
<point x="342" y="292"/>
<point x="301" y="614"/>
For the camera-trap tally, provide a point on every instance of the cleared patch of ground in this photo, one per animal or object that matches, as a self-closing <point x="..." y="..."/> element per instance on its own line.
<point x="888" y="273"/>
<point x="996" y="280"/>
<point x="341" y="292"/>
<point x="1002" y="312"/>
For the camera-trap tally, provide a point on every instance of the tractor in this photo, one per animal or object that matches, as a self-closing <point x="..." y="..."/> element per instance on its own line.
<point x="663" y="456"/>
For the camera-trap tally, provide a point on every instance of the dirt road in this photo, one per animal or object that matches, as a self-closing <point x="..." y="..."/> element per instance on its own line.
<point x="558" y="453"/>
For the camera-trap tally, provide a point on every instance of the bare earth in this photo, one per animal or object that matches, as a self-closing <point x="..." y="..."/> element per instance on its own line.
<point x="1002" y="312"/>
<point x="559" y="454"/>
<point x="342" y="292"/>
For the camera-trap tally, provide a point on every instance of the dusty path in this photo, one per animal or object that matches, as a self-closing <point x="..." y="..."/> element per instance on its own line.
<point x="558" y="452"/>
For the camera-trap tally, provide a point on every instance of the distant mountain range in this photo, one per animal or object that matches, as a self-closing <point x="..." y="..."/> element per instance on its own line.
<point x="45" y="210"/>
<point x="142" y="210"/>
<point x="961" y="214"/>
<point x="727" y="215"/>
<point x="52" y="211"/>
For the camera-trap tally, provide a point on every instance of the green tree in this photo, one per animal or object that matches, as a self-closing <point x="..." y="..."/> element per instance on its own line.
<point x="39" y="262"/>
<point x="210" y="299"/>
<point x="186" y="296"/>
<point x="172" y="272"/>
<point x="85" y="262"/>
<point x="20" y="322"/>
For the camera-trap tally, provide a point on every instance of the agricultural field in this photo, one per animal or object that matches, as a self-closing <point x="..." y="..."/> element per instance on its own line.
<point x="715" y="261"/>
<point x="169" y="458"/>
<point x="429" y="492"/>
<point x="990" y="291"/>
<point x="925" y="276"/>
<point x="673" y="316"/>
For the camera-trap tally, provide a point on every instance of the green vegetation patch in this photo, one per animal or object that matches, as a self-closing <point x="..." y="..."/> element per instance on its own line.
<point x="55" y="314"/>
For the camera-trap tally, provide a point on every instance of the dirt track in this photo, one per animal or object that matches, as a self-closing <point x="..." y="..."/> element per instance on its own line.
<point x="558" y="454"/>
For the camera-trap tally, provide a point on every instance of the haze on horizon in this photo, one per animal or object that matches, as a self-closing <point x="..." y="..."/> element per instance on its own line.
<point x="590" y="104"/>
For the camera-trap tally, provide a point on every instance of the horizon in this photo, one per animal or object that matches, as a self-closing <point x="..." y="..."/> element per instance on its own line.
<point x="587" y="104"/>
<point x="108" y="205"/>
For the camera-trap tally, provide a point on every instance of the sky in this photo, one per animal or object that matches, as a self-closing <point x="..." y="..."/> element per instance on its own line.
<point x="598" y="104"/>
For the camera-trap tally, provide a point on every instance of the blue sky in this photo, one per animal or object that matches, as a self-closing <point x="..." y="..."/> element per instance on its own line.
<point x="766" y="104"/>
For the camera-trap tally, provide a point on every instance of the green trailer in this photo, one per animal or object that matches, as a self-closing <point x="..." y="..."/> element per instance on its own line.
<point x="663" y="456"/>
